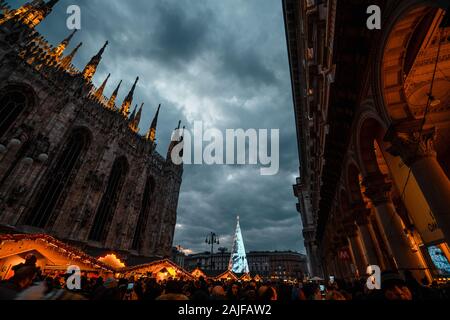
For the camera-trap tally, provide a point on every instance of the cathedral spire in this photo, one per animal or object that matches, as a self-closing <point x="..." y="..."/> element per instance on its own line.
<point x="151" y="134"/>
<point x="112" y="100"/>
<point x="133" y="114"/>
<point x="67" y="60"/>
<point x="136" y="119"/>
<point x="58" y="51"/>
<point x="177" y="137"/>
<point x="32" y="13"/>
<point x="91" y="67"/>
<point x="125" y="108"/>
<point x="99" y="93"/>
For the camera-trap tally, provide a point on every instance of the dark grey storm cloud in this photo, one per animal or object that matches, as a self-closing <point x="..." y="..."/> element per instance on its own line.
<point x="222" y="62"/>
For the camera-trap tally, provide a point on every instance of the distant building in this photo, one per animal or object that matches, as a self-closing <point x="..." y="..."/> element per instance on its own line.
<point x="281" y="264"/>
<point x="178" y="256"/>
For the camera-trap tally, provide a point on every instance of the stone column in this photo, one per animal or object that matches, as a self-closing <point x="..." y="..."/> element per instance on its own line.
<point x="337" y="265"/>
<point x="372" y="250"/>
<point x="331" y="268"/>
<point x="308" y="255"/>
<point x="347" y="267"/>
<point x="311" y="250"/>
<point x="317" y="266"/>
<point x="378" y="190"/>
<point x="356" y="248"/>
<point x="342" y="268"/>
<point x="341" y="243"/>
<point x="354" y="265"/>
<point x="313" y="259"/>
<point x="416" y="148"/>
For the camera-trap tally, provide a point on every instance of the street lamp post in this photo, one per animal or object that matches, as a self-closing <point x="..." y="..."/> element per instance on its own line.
<point x="212" y="239"/>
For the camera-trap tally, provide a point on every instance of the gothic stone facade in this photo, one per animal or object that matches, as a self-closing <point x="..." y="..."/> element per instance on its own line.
<point x="71" y="164"/>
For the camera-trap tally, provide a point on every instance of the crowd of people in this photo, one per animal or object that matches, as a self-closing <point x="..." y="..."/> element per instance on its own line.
<point x="28" y="283"/>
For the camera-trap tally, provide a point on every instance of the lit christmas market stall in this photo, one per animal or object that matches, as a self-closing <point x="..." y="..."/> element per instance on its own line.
<point x="227" y="275"/>
<point x="52" y="255"/>
<point x="161" y="270"/>
<point x="197" y="273"/>
<point x="257" y="278"/>
<point x="246" y="277"/>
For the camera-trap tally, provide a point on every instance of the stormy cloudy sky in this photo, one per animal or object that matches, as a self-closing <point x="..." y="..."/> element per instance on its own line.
<point x="221" y="62"/>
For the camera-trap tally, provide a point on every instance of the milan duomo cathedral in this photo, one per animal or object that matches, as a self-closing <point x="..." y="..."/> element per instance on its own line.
<point x="72" y="161"/>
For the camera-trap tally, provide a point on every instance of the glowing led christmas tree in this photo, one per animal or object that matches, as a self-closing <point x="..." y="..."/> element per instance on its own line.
<point x="238" y="259"/>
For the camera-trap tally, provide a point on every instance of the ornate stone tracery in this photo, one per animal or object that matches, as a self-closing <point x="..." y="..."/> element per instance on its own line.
<point x="46" y="98"/>
<point x="413" y="144"/>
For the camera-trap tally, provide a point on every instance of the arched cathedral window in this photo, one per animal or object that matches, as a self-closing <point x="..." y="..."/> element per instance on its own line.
<point x="13" y="101"/>
<point x="143" y="215"/>
<point x="109" y="200"/>
<point x="59" y="178"/>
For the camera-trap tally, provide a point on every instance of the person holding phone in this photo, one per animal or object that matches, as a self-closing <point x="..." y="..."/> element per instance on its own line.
<point x="333" y="293"/>
<point x="130" y="294"/>
<point x="322" y="289"/>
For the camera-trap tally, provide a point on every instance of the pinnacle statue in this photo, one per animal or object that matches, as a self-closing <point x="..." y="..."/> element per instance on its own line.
<point x="238" y="259"/>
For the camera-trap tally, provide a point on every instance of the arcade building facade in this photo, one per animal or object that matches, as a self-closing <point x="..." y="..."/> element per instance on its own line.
<point x="72" y="162"/>
<point x="372" y="110"/>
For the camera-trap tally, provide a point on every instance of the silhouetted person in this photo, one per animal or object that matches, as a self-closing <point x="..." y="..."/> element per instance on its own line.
<point x="22" y="279"/>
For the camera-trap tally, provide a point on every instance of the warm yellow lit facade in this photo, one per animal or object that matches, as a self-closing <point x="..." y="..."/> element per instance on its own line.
<point x="374" y="132"/>
<point x="112" y="260"/>
<point x="197" y="273"/>
<point x="161" y="270"/>
<point x="51" y="255"/>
